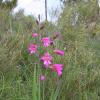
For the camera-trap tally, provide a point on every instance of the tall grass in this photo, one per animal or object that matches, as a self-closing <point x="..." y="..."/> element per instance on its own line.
<point x="19" y="72"/>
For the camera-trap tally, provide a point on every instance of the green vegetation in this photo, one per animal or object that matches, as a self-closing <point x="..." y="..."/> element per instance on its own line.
<point x="19" y="72"/>
<point x="8" y="4"/>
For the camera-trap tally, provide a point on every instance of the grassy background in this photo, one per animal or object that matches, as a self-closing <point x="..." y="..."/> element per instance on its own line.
<point x="19" y="72"/>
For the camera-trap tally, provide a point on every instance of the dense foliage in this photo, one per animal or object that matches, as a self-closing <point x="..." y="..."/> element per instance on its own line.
<point x="77" y="32"/>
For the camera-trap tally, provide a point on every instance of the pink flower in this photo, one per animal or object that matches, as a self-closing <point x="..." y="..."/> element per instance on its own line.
<point x="42" y="77"/>
<point x="35" y="35"/>
<point x="32" y="48"/>
<point x="46" y="41"/>
<point x="59" y="52"/>
<point x="58" y="68"/>
<point x="47" y="58"/>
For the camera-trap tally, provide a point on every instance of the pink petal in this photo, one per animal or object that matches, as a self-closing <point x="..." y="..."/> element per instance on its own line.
<point x="46" y="41"/>
<point x="59" y="52"/>
<point x="42" y="77"/>
<point x="59" y="73"/>
<point x="58" y="68"/>
<point x="47" y="59"/>
<point x="47" y="63"/>
<point x="32" y="48"/>
<point x="34" y="35"/>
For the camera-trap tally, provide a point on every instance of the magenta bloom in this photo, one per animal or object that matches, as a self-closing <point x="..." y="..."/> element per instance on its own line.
<point x="47" y="58"/>
<point x="58" y="68"/>
<point x="32" y="48"/>
<point x="59" y="52"/>
<point x="46" y="41"/>
<point x="35" y="35"/>
<point x="42" y="77"/>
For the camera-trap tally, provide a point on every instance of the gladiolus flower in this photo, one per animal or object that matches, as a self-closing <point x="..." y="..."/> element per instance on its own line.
<point x="35" y="35"/>
<point x="32" y="48"/>
<point x="42" y="77"/>
<point x="47" y="58"/>
<point x="46" y="41"/>
<point x="58" y="68"/>
<point x="59" y="52"/>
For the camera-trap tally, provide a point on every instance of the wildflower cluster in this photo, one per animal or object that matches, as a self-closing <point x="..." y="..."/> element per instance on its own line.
<point x="46" y="58"/>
